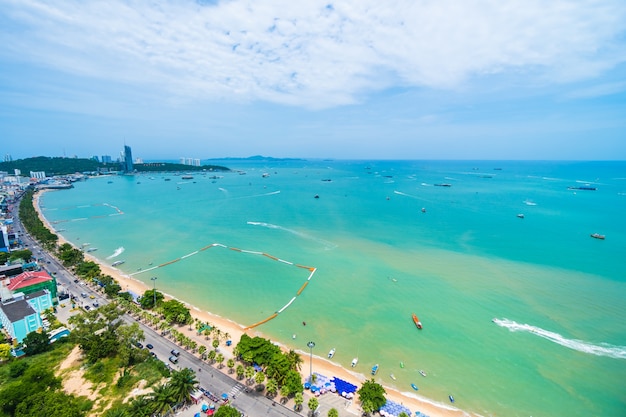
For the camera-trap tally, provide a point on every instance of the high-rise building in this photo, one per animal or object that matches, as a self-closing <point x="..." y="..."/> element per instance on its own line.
<point x="128" y="159"/>
<point x="106" y="159"/>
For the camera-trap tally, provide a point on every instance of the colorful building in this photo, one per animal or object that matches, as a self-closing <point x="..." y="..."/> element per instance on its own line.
<point x="29" y="282"/>
<point x="20" y="315"/>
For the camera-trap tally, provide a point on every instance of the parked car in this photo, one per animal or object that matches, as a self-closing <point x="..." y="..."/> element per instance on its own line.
<point x="175" y="352"/>
<point x="149" y="346"/>
<point x="173" y="359"/>
<point x="139" y="345"/>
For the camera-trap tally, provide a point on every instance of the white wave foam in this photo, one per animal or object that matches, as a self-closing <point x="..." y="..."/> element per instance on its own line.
<point x="117" y="252"/>
<point x="601" y="349"/>
<point x="325" y="243"/>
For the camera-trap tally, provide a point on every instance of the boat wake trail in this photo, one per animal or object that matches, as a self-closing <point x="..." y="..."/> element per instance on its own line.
<point x="602" y="349"/>
<point x="326" y="244"/>
<point x="117" y="252"/>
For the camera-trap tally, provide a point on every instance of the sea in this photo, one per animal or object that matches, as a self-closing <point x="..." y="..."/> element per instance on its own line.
<point x="523" y="311"/>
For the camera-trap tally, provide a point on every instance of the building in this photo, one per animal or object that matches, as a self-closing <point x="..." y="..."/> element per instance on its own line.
<point x="29" y="282"/>
<point x="39" y="175"/>
<point x="106" y="159"/>
<point x="19" y="316"/>
<point x="128" y="159"/>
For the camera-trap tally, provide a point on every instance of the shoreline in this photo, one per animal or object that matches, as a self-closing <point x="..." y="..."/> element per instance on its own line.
<point x="320" y="364"/>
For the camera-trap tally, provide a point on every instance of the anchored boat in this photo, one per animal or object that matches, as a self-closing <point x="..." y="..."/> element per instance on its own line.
<point x="417" y="322"/>
<point x="331" y="353"/>
<point x="354" y="362"/>
<point x="375" y="369"/>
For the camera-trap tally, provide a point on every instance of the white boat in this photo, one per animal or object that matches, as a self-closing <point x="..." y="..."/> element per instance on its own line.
<point x="354" y="362"/>
<point x="393" y="377"/>
<point x="422" y="373"/>
<point x="92" y="249"/>
<point x="331" y="353"/>
<point x="521" y="215"/>
<point x="116" y="263"/>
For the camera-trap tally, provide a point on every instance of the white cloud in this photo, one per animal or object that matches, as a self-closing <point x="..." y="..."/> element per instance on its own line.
<point x="306" y="53"/>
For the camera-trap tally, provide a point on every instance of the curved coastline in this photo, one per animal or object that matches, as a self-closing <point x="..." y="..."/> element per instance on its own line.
<point x="321" y="365"/>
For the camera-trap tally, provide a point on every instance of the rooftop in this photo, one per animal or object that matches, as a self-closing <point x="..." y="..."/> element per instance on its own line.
<point x="28" y="278"/>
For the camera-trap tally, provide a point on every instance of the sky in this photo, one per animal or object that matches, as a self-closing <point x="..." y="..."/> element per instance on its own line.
<point x="355" y="79"/>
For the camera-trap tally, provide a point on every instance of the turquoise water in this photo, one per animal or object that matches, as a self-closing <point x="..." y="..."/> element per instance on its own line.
<point x="557" y="346"/>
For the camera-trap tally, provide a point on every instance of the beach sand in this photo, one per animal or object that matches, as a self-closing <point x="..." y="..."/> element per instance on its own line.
<point x="320" y="365"/>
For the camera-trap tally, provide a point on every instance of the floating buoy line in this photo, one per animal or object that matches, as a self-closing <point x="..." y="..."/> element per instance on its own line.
<point x="267" y="255"/>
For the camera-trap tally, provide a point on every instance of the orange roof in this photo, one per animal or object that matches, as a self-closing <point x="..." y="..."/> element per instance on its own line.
<point x="28" y="278"/>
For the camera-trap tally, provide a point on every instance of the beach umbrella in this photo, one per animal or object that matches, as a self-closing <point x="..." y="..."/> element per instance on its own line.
<point x="205" y="407"/>
<point x="224" y="396"/>
<point x="196" y="415"/>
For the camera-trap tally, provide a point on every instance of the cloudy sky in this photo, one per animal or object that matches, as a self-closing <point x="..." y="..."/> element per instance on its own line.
<point x="355" y="79"/>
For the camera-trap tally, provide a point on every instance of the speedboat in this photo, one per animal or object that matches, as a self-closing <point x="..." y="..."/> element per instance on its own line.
<point x="393" y="377"/>
<point x="354" y="362"/>
<point x="414" y="387"/>
<point x="116" y="263"/>
<point x="375" y="369"/>
<point x="331" y="353"/>
<point x="451" y="398"/>
<point x="417" y="321"/>
<point x="597" y="236"/>
<point x="422" y="373"/>
<point x="521" y="215"/>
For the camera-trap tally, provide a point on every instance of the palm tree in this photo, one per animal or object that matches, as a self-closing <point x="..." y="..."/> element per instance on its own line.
<point x="313" y="404"/>
<point x="284" y="392"/>
<point x="239" y="371"/>
<point x="212" y="355"/>
<point x="182" y="384"/>
<point x="271" y="388"/>
<point x="295" y="360"/>
<point x="298" y="399"/>
<point x="249" y="373"/>
<point x="207" y="333"/>
<point x="202" y="351"/>
<point x="231" y="364"/>
<point x="220" y="359"/>
<point x="259" y="378"/>
<point x="116" y="412"/>
<point x="140" y="407"/>
<point x="215" y="343"/>
<point x="161" y="399"/>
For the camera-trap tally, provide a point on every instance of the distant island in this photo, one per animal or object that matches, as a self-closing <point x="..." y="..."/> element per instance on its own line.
<point x="254" y="158"/>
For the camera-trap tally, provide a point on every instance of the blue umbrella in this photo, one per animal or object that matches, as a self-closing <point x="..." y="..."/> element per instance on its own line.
<point x="224" y="396"/>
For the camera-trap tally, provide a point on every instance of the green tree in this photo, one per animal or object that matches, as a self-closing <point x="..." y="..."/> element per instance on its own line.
<point x="313" y="404"/>
<point x="371" y="394"/>
<point x="220" y="360"/>
<point x="231" y="364"/>
<point x="17" y="369"/>
<point x="182" y="384"/>
<point x="120" y="411"/>
<point x="293" y="382"/>
<point x="403" y="414"/>
<point x="239" y="371"/>
<point x="298" y="399"/>
<point x="161" y="399"/>
<point x="212" y="354"/>
<point x="227" y="411"/>
<point x="88" y="270"/>
<point x="259" y="378"/>
<point x="333" y="412"/>
<point x="174" y="311"/>
<point x="271" y="388"/>
<point x="50" y="403"/>
<point x="249" y="373"/>
<point x="147" y="299"/>
<point x="202" y="351"/>
<point x="140" y="407"/>
<point x="36" y="342"/>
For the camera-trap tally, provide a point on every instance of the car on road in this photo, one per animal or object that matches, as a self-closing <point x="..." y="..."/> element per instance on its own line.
<point x="139" y="345"/>
<point x="87" y="308"/>
<point x="175" y="352"/>
<point x="149" y="346"/>
<point x="76" y="281"/>
<point x="173" y="359"/>
<point x="96" y="304"/>
<point x="83" y="294"/>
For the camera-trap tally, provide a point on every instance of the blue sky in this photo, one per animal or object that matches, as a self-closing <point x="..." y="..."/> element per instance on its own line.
<point x="357" y="79"/>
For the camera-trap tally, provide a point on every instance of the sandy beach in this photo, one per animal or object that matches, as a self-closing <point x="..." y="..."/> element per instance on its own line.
<point x="320" y="364"/>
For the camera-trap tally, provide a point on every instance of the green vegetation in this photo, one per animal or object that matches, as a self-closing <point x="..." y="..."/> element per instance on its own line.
<point x="147" y="299"/>
<point x="372" y="396"/>
<point x="64" y="166"/>
<point x="28" y="387"/>
<point x="36" y="342"/>
<point x="53" y="166"/>
<point x="34" y="225"/>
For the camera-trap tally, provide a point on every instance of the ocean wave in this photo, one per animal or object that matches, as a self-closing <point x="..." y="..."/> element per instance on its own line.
<point x="117" y="252"/>
<point x="601" y="349"/>
<point x="323" y="242"/>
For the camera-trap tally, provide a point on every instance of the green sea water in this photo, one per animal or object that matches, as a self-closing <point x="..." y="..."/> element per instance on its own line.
<point x="522" y="316"/>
